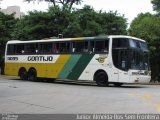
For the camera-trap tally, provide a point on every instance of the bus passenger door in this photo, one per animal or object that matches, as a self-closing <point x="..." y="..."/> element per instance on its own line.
<point x="123" y="61"/>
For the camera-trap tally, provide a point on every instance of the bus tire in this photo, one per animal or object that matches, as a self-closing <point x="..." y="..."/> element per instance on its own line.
<point x="118" y="84"/>
<point x="101" y="79"/>
<point x="23" y="74"/>
<point x="32" y="75"/>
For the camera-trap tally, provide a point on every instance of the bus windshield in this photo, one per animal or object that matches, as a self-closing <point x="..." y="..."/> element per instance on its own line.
<point x="130" y="54"/>
<point x="139" y="60"/>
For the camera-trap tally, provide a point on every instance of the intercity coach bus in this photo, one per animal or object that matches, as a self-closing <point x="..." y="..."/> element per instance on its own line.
<point x="114" y="59"/>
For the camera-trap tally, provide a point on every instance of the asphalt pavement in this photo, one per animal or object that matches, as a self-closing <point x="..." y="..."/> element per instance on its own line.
<point x="27" y="97"/>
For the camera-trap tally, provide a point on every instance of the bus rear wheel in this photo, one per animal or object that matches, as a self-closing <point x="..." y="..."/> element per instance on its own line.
<point x="32" y="75"/>
<point x="101" y="79"/>
<point x="23" y="74"/>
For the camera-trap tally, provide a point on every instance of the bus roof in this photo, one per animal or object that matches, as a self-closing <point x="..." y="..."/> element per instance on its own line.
<point x="71" y="39"/>
<point x="125" y="36"/>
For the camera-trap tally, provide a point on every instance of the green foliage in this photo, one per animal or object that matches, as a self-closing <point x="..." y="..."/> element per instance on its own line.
<point x="85" y="20"/>
<point x="156" y="5"/>
<point x="39" y="25"/>
<point x="7" y="24"/>
<point x="80" y="22"/>
<point x="113" y="23"/>
<point x="146" y="26"/>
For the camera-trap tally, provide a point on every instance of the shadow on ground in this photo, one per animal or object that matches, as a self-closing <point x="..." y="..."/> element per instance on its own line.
<point x="82" y="83"/>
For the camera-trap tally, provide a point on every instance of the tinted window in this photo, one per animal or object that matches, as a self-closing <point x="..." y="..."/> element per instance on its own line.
<point x="80" y="46"/>
<point x="120" y="43"/>
<point x="10" y="49"/>
<point x="56" y="47"/>
<point x="64" y="47"/>
<point x="134" y="43"/>
<point x="101" y="46"/>
<point x="46" y="48"/>
<point x="32" y="48"/>
<point x="92" y="46"/>
<point x="15" y="49"/>
<point x="143" y="45"/>
<point x="19" y="49"/>
<point x="136" y="60"/>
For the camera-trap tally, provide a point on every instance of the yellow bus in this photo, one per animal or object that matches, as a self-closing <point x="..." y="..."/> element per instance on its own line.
<point x="114" y="59"/>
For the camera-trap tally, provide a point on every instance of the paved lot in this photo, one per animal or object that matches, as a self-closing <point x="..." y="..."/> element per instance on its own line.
<point x="18" y="96"/>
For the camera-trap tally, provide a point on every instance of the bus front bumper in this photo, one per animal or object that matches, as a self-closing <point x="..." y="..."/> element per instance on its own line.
<point x="140" y="79"/>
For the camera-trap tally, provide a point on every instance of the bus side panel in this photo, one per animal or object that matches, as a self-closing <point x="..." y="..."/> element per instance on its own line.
<point x="67" y="69"/>
<point x="79" y="67"/>
<point x="11" y="69"/>
<point x="98" y="62"/>
<point x="53" y="70"/>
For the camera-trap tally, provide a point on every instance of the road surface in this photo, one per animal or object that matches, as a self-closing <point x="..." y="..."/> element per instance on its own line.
<point x="20" y="97"/>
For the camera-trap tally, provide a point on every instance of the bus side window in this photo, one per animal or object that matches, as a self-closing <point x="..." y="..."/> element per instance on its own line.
<point x="80" y="46"/>
<point x="73" y="47"/>
<point x="19" y="49"/>
<point x="10" y="49"/>
<point x="85" y="46"/>
<point x="106" y="46"/>
<point x="65" y="47"/>
<point x="47" y="48"/>
<point x="40" y="48"/>
<point x="101" y="46"/>
<point x="92" y="46"/>
<point x="55" y="47"/>
<point x="32" y="48"/>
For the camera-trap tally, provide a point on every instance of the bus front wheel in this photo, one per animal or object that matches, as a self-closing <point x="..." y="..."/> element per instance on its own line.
<point x="23" y="74"/>
<point x="101" y="79"/>
<point x="32" y="75"/>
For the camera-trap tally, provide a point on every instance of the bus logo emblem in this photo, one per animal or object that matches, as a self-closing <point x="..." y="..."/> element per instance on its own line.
<point x="101" y="59"/>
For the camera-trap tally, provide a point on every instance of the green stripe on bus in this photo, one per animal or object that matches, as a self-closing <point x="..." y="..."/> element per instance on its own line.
<point x="67" y="69"/>
<point x="80" y="66"/>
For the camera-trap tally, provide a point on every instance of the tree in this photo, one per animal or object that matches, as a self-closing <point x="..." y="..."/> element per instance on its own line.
<point x="146" y="26"/>
<point x="40" y="25"/>
<point x="113" y="23"/>
<point x="156" y="5"/>
<point x="64" y="3"/>
<point x="7" y="24"/>
<point x="85" y="18"/>
<point x="93" y="23"/>
<point x="79" y="22"/>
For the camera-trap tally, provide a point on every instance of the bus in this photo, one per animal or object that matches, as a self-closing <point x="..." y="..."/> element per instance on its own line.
<point x="113" y="59"/>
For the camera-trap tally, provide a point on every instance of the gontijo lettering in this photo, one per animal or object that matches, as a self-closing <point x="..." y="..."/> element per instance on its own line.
<point x="40" y="58"/>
